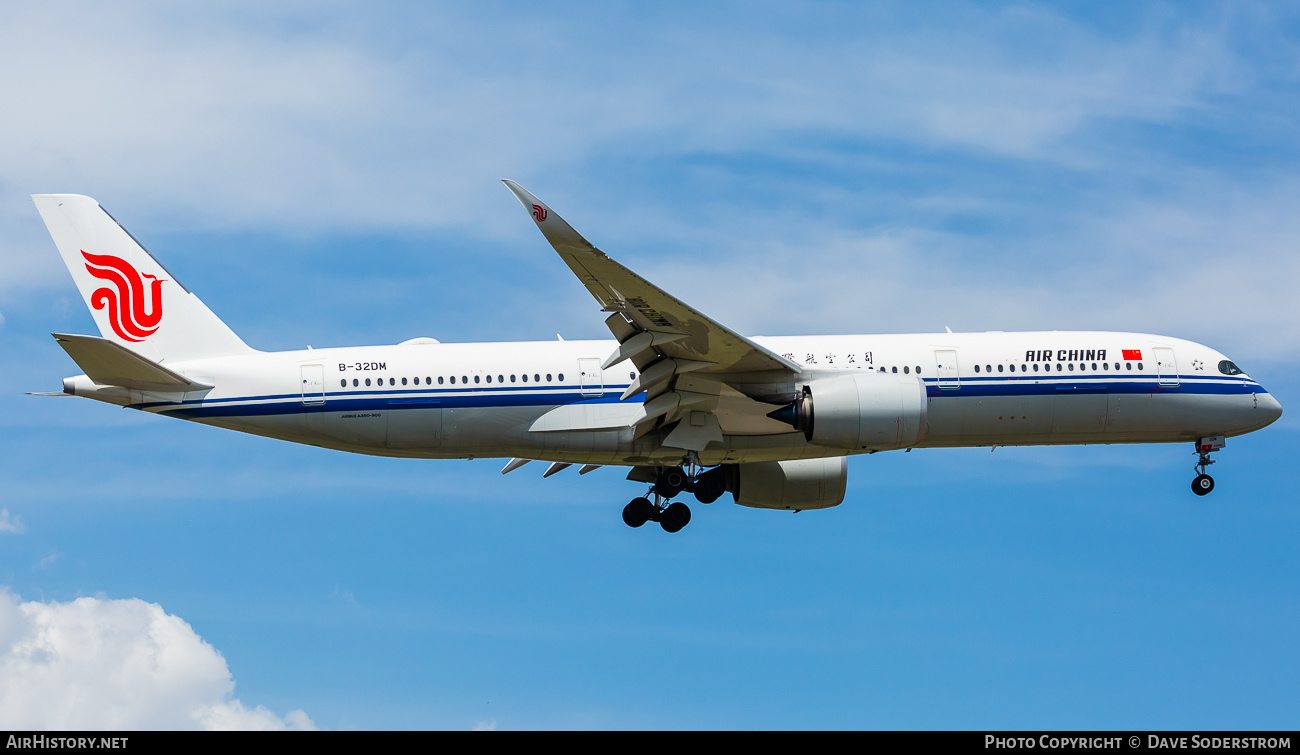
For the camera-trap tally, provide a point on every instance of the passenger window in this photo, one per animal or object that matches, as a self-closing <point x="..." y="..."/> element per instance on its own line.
<point x="977" y="368"/>
<point x="561" y="376"/>
<point x="1139" y="365"/>
<point x="1128" y="365"/>
<point x="631" y="376"/>
<point x="918" y="370"/>
<point x="1071" y="366"/>
<point x="905" y="370"/>
<point x="501" y="379"/>
<point x="1059" y="368"/>
<point x="999" y="368"/>
<point x="476" y="379"/>
<point x="548" y="377"/>
<point x="367" y="381"/>
<point x="537" y="378"/>
<point x="525" y="377"/>
<point x="512" y="378"/>
<point x="489" y="378"/>
<point x="440" y="380"/>
<point x="343" y="383"/>
<point x="1035" y="366"/>
<point x="403" y="381"/>
<point x="895" y="369"/>
<point x="1094" y="366"/>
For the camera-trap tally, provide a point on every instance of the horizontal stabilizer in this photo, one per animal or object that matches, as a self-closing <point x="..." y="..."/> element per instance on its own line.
<point x="108" y="363"/>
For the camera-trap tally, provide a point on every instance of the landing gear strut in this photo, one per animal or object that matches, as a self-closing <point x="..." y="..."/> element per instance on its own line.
<point x="707" y="486"/>
<point x="1204" y="483"/>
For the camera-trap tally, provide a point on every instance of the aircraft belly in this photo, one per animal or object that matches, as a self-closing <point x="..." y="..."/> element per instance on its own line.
<point x="991" y="417"/>
<point x="414" y="428"/>
<point x="478" y="429"/>
<point x="1174" y="415"/>
<point x="352" y="428"/>
<point x="1079" y="413"/>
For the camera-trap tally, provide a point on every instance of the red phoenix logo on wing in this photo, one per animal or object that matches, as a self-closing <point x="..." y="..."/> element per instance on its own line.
<point x="126" y="300"/>
<point x="539" y="212"/>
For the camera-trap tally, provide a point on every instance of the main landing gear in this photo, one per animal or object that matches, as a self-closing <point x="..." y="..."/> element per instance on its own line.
<point x="655" y="506"/>
<point x="1204" y="483"/>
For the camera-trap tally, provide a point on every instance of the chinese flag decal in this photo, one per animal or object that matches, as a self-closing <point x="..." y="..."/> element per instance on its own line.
<point x="1132" y="353"/>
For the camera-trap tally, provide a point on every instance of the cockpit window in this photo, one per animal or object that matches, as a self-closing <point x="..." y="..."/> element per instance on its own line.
<point x="1228" y="368"/>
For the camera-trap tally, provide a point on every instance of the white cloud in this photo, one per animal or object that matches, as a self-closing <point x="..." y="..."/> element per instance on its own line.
<point x="1211" y="260"/>
<point x="95" y="663"/>
<point x="226" y="119"/>
<point x="350" y="122"/>
<point x="13" y="526"/>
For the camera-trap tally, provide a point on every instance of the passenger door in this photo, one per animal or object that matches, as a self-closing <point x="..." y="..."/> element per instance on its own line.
<point x="591" y="378"/>
<point x="313" y="384"/>
<point x="1166" y="366"/>
<point x="949" y="377"/>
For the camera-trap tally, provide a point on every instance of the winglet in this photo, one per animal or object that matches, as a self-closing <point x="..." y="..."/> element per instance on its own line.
<point x="561" y="235"/>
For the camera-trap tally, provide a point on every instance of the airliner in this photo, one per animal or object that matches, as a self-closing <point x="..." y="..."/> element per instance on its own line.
<point x="681" y="401"/>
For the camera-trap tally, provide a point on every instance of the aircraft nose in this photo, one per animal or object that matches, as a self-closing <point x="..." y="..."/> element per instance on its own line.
<point x="1268" y="407"/>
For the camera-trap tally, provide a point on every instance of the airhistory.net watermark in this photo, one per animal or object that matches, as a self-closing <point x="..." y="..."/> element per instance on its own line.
<point x="42" y="742"/>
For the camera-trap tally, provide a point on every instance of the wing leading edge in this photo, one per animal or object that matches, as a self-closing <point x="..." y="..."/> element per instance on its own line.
<point x="664" y="337"/>
<point x="652" y="318"/>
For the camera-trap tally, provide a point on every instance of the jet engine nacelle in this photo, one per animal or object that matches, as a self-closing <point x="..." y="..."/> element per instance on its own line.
<point x="866" y="411"/>
<point x="798" y="484"/>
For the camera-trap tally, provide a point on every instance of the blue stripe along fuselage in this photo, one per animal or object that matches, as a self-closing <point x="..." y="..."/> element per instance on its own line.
<point x="998" y="386"/>
<point x="247" y="406"/>
<point x="350" y="401"/>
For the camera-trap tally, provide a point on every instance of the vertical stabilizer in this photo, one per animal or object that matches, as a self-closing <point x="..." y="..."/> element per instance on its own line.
<point x="135" y="302"/>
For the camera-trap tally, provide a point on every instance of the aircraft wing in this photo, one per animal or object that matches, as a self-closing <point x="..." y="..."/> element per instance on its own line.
<point x="647" y="317"/>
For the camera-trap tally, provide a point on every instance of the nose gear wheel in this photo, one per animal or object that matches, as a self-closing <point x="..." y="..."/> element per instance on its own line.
<point x="1204" y="483"/>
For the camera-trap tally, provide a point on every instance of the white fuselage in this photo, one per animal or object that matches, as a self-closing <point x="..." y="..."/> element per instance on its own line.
<point x="552" y="401"/>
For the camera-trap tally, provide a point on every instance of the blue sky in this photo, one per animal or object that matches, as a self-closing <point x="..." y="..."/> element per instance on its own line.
<point x="328" y="175"/>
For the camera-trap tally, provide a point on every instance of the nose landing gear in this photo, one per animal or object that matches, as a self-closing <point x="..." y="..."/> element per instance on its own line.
<point x="1204" y="483"/>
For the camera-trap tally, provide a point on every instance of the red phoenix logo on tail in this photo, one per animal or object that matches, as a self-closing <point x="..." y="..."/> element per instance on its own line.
<point x="126" y="300"/>
<point x="539" y="212"/>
